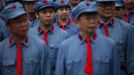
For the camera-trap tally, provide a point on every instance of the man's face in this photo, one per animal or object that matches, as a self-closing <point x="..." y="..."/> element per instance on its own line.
<point x="106" y="9"/>
<point x="19" y="26"/>
<point x="29" y="6"/>
<point x="129" y="4"/>
<point x="63" y="13"/>
<point x="74" y="2"/>
<point x="88" y="22"/>
<point x="46" y="16"/>
<point x="118" y="12"/>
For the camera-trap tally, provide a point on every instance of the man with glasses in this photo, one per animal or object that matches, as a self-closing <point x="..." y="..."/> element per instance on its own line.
<point x="88" y="52"/>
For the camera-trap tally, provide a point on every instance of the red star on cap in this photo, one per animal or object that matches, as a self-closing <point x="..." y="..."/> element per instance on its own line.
<point x="14" y="7"/>
<point x="45" y="1"/>
<point x="62" y="1"/>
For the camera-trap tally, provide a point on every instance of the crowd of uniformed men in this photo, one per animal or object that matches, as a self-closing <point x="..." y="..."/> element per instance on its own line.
<point x="66" y="37"/>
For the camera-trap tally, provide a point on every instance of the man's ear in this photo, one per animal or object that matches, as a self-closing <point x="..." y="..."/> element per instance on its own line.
<point x="7" y="25"/>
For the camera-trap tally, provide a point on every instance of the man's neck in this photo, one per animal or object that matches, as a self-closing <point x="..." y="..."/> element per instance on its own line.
<point x="63" y="21"/>
<point x="45" y="27"/>
<point x="127" y="11"/>
<point x="18" y="38"/>
<point x="86" y="35"/>
<point x="105" y="19"/>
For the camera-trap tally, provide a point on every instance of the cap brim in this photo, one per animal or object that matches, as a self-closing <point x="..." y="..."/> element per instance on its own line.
<point x="29" y="1"/>
<point x="57" y="7"/>
<point x="86" y="11"/>
<point x="44" y="7"/>
<point x="105" y="1"/>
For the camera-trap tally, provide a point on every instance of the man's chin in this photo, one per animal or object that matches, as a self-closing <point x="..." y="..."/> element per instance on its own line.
<point x="91" y="33"/>
<point x="48" y="25"/>
<point x="22" y="35"/>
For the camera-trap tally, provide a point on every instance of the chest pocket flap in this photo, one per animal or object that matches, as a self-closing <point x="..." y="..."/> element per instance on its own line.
<point x="102" y="60"/>
<point x="31" y="61"/>
<point x="8" y="62"/>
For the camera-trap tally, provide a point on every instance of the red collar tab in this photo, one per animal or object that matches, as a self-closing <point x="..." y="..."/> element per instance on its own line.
<point x="11" y="39"/>
<point x="111" y="22"/>
<point x="40" y="29"/>
<point x="68" y="23"/>
<point x="81" y="37"/>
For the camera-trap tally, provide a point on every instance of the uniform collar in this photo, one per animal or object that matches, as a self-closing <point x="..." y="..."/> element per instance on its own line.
<point x="111" y="22"/>
<point x="83" y="40"/>
<point x="128" y="14"/>
<point x="66" y="26"/>
<point x="40" y="29"/>
<point x="24" y="42"/>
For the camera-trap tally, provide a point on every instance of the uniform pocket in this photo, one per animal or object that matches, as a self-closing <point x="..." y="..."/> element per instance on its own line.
<point x="69" y="67"/>
<point x="8" y="66"/>
<point x="74" y="65"/>
<point x="31" y="66"/>
<point x="8" y="62"/>
<point x="73" y="61"/>
<point x="102" y="60"/>
<point x="102" y="66"/>
<point x="31" y="61"/>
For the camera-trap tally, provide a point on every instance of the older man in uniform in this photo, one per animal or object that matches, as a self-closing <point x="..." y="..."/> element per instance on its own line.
<point x="87" y="53"/>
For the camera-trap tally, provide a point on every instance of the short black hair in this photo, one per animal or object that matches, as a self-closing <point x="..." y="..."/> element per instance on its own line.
<point x="65" y="6"/>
